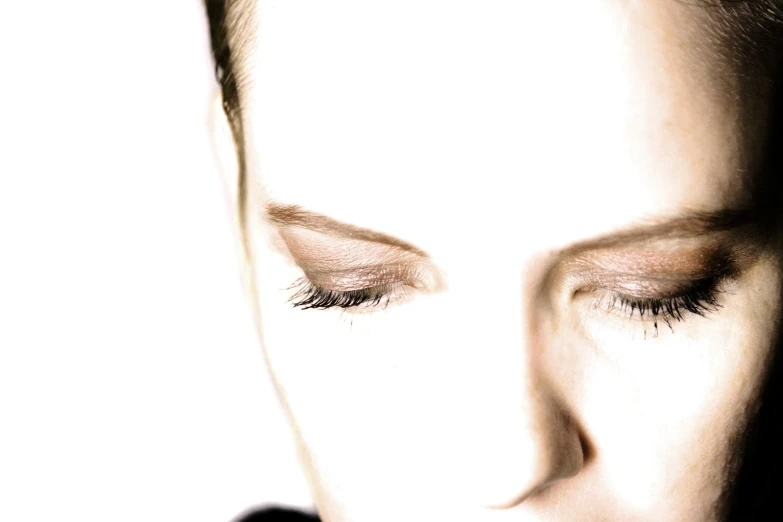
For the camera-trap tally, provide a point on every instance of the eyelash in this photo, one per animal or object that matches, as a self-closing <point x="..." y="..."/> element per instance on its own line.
<point x="310" y="296"/>
<point x="700" y="300"/>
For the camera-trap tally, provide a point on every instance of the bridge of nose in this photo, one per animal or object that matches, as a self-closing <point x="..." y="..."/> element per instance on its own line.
<point x="521" y="435"/>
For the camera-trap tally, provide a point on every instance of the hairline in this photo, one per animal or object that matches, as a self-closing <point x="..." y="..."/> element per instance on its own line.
<point x="750" y="26"/>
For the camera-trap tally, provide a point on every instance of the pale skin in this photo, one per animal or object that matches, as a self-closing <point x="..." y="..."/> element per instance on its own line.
<point x="520" y="173"/>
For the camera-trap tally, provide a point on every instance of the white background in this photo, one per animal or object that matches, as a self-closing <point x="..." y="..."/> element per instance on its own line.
<point x="131" y="384"/>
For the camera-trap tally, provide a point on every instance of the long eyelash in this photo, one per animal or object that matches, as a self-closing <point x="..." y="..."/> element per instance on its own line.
<point x="308" y="295"/>
<point x="700" y="300"/>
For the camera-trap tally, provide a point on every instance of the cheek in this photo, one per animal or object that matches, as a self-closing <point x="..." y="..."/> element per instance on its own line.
<point x="664" y="412"/>
<point x="374" y="397"/>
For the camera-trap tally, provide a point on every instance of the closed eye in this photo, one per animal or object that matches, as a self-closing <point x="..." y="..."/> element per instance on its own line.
<point x="310" y="296"/>
<point x="700" y="299"/>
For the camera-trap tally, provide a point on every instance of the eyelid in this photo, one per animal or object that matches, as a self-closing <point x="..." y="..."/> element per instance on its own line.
<point x="346" y="265"/>
<point x="362" y="278"/>
<point x="647" y="288"/>
<point x="318" y="254"/>
<point x="665" y="268"/>
<point x="661" y="264"/>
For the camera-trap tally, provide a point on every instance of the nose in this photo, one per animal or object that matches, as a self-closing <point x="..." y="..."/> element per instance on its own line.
<point x="526" y="449"/>
<point x="525" y="437"/>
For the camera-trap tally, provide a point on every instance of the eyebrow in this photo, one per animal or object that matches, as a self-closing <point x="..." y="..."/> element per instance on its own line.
<point x="687" y="224"/>
<point x="295" y="216"/>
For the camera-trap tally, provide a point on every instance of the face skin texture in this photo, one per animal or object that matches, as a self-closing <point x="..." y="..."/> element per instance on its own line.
<point x="510" y="176"/>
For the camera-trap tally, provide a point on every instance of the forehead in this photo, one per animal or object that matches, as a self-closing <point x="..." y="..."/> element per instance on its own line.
<point x="430" y="120"/>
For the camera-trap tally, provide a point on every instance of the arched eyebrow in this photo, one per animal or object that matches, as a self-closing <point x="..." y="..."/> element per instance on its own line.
<point x="295" y="216"/>
<point x="687" y="224"/>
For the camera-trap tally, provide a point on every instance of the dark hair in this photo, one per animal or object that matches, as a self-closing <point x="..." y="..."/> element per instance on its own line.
<point x="222" y="24"/>
<point x="228" y="20"/>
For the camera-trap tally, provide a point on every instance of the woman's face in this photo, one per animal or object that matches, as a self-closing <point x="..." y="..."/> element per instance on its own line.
<point x="509" y="257"/>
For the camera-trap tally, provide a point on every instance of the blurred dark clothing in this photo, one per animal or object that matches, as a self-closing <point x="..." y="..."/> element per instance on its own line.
<point x="275" y="514"/>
